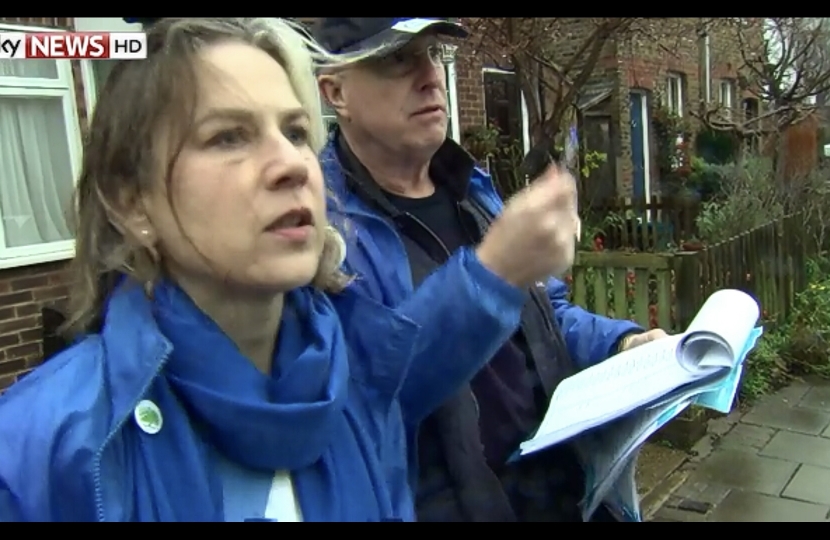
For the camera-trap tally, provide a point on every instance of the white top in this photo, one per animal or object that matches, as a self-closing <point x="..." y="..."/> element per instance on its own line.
<point x="254" y="495"/>
<point x="282" y="502"/>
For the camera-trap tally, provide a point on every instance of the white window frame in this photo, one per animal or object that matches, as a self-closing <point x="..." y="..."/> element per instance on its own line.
<point x="523" y="105"/>
<point x="726" y="97"/>
<point x="452" y="96"/>
<point x="63" y="87"/>
<point x="674" y="82"/>
<point x="98" y="24"/>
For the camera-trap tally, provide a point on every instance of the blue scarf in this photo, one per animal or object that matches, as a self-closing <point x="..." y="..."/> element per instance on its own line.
<point x="294" y="420"/>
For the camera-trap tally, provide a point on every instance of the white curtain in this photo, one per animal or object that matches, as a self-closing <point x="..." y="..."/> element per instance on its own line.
<point x="35" y="175"/>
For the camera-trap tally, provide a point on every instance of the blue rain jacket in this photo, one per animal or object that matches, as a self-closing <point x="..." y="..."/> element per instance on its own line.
<point x="70" y="448"/>
<point x="443" y="305"/>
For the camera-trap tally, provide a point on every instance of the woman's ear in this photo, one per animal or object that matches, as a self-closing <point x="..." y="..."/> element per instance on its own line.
<point x="142" y="230"/>
<point x="130" y="216"/>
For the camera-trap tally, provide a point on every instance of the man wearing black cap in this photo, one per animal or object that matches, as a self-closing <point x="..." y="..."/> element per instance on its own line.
<point x="430" y="236"/>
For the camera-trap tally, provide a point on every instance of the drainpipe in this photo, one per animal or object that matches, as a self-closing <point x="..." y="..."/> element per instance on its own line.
<point x="707" y="53"/>
<point x="705" y="64"/>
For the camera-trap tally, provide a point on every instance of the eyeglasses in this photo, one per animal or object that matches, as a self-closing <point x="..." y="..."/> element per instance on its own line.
<point x="406" y="60"/>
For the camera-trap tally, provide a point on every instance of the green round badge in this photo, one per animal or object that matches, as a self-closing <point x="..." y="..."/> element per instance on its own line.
<point x="148" y="417"/>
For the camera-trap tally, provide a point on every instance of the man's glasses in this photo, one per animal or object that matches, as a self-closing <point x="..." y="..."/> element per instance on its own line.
<point x="407" y="59"/>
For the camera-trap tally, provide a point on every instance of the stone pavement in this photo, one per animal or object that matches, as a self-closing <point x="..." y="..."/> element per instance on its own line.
<point x="768" y="464"/>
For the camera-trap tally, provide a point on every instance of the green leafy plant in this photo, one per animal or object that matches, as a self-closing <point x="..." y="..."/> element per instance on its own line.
<point x="486" y="145"/>
<point x="809" y="327"/>
<point x="798" y="346"/>
<point x="705" y="180"/>
<point x="591" y="161"/>
<point x="718" y="147"/>
<point x="749" y="197"/>
<point x="673" y="135"/>
<point x="481" y="141"/>
<point x="765" y="370"/>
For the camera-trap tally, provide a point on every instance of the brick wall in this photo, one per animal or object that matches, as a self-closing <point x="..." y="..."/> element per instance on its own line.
<point x="469" y="87"/>
<point x="25" y="290"/>
<point x="644" y="63"/>
<point x="470" y="77"/>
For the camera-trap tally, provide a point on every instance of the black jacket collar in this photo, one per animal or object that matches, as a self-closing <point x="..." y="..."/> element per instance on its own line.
<point x="452" y="167"/>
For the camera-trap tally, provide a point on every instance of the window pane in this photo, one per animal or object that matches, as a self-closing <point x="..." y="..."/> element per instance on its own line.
<point x="36" y="190"/>
<point x="31" y="69"/>
<point x="101" y="70"/>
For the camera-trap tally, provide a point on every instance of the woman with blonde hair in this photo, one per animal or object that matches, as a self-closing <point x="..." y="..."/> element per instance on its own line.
<point x="223" y="371"/>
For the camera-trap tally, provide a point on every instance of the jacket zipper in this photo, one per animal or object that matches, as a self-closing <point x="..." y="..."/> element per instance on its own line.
<point x="432" y="235"/>
<point x="96" y="475"/>
<point x="443" y="246"/>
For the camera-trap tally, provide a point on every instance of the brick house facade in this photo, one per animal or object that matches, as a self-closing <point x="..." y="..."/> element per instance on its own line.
<point x="627" y="69"/>
<point x="31" y="280"/>
<point x="29" y="284"/>
<point x="647" y="67"/>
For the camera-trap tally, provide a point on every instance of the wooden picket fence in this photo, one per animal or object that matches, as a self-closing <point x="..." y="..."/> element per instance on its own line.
<point x="644" y="225"/>
<point x="666" y="289"/>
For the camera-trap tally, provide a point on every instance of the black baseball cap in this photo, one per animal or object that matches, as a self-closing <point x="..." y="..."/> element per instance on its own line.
<point x="342" y="35"/>
<point x="143" y="22"/>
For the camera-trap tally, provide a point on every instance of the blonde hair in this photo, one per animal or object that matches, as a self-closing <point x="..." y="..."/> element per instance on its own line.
<point x="121" y="156"/>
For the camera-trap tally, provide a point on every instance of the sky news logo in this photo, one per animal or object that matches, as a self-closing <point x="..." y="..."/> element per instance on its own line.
<point x="73" y="45"/>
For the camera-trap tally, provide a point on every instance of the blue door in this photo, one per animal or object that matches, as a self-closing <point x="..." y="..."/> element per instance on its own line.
<point x="638" y="156"/>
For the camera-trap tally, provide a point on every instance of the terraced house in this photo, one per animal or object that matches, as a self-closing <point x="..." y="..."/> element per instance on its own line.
<point x="44" y="106"/>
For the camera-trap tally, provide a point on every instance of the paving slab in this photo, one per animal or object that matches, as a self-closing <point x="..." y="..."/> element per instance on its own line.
<point x="720" y="425"/>
<point x="789" y="395"/>
<point x="701" y="492"/>
<point x="746" y="437"/>
<point x="737" y="469"/>
<point x="678" y="515"/>
<point x="817" y="398"/>
<point x="781" y="416"/>
<point x="796" y="447"/>
<point x="769" y="464"/>
<point x="810" y="484"/>
<point x="745" y="507"/>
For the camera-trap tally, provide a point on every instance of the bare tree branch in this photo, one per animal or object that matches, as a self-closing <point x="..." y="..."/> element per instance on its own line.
<point x="786" y="66"/>
<point x="553" y="59"/>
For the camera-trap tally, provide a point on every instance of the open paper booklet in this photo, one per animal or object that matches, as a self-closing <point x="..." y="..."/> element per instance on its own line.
<point x="610" y="410"/>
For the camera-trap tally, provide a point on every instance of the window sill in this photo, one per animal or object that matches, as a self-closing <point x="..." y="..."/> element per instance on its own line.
<point x="40" y="258"/>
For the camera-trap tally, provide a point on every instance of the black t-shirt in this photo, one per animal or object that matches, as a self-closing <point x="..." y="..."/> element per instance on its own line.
<point x="503" y="388"/>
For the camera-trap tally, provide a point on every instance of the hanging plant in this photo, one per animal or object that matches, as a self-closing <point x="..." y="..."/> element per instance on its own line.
<point x="673" y="136"/>
<point x="481" y="141"/>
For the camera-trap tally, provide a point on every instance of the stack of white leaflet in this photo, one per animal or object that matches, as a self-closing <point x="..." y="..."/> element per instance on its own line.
<point x="611" y="409"/>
